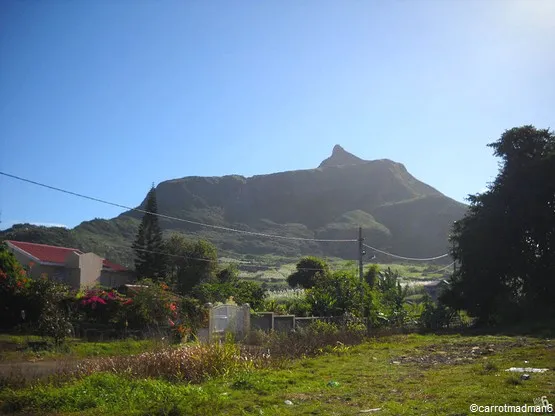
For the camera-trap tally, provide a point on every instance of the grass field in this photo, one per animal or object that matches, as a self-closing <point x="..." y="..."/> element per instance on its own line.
<point x="401" y="374"/>
<point x="16" y="348"/>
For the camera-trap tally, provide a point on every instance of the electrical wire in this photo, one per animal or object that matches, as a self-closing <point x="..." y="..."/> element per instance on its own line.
<point x="406" y="258"/>
<point x="216" y="226"/>
<point x="444" y="268"/>
<point x="238" y="263"/>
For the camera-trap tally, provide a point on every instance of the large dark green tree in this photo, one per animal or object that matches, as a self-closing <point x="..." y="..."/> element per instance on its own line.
<point x="149" y="245"/>
<point x="308" y="269"/>
<point x="505" y="245"/>
<point x="190" y="262"/>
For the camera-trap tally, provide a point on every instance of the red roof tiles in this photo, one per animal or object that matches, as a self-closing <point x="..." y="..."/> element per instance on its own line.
<point x="114" y="266"/>
<point x="52" y="254"/>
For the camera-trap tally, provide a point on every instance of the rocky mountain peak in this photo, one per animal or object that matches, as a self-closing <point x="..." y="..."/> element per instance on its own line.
<point x="339" y="157"/>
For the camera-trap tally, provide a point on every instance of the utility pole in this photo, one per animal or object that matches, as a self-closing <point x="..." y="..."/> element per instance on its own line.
<point x="360" y="254"/>
<point x="364" y="311"/>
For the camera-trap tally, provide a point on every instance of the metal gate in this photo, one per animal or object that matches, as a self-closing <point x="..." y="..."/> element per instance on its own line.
<point x="224" y="318"/>
<point x="229" y="318"/>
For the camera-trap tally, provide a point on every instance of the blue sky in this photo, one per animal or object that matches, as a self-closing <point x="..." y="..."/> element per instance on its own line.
<point x="104" y="97"/>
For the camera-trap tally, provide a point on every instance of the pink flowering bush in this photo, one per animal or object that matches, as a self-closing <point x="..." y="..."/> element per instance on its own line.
<point x="149" y="305"/>
<point x="105" y="307"/>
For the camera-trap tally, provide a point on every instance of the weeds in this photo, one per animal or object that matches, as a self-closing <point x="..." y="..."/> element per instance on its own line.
<point x="490" y="367"/>
<point x="192" y="363"/>
<point x="317" y="338"/>
<point x="513" y="381"/>
<point x="362" y="378"/>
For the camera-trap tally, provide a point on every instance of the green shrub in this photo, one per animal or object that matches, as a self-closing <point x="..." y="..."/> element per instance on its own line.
<point x="435" y="316"/>
<point x="240" y="291"/>
<point x="152" y="306"/>
<point x="13" y="289"/>
<point x="339" y="293"/>
<point x="299" y="307"/>
<point x="323" y="328"/>
<point x="41" y="305"/>
<point x="54" y="323"/>
<point x="392" y="297"/>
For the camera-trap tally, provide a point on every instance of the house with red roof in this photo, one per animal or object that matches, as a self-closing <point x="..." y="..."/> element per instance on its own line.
<point x="69" y="265"/>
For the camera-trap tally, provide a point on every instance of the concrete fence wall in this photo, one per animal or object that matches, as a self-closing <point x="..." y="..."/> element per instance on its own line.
<point x="263" y="321"/>
<point x="238" y="321"/>
<point x="268" y="321"/>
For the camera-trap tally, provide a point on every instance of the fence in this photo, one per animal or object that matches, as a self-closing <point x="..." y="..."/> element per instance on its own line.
<point x="268" y="321"/>
<point x="238" y="321"/>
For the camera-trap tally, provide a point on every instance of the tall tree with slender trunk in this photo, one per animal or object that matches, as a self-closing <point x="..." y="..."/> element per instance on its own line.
<point x="149" y="245"/>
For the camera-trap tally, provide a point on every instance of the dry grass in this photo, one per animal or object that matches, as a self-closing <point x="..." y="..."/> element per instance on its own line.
<point x="307" y="342"/>
<point x="193" y="363"/>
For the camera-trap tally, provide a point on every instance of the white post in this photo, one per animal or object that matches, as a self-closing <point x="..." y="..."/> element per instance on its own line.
<point x="210" y="321"/>
<point x="246" y="310"/>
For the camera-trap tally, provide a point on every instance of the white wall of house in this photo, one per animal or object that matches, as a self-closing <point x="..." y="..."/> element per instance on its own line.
<point x="91" y="269"/>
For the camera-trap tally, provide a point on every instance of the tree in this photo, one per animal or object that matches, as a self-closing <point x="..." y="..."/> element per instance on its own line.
<point x="13" y="285"/>
<point x="248" y="292"/>
<point x="505" y="245"/>
<point x="339" y="293"/>
<point x="308" y="269"/>
<point x="392" y="296"/>
<point x="241" y="291"/>
<point x="190" y="263"/>
<point x="371" y="276"/>
<point x="148" y="245"/>
<point x="229" y="274"/>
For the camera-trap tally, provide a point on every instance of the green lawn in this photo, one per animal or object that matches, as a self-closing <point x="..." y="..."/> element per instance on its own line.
<point x="408" y="375"/>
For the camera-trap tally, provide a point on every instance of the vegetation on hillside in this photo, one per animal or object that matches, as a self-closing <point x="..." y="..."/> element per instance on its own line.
<point x="397" y="212"/>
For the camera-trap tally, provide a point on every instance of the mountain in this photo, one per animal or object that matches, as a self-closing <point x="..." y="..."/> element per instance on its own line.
<point x="398" y="213"/>
<point x="340" y="157"/>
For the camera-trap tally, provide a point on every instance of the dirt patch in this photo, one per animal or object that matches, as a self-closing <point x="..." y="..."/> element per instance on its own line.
<point x="455" y="353"/>
<point x="6" y="346"/>
<point x="21" y="373"/>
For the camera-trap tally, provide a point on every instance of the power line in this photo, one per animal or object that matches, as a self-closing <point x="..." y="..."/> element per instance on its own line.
<point x="214" y="226"/>
<point x="405" y="258"/>
<point x="217" y="227"/>
<point x="241" y="264"/>
<point x="444" y="268"/>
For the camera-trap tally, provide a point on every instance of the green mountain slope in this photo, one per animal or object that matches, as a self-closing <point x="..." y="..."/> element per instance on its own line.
<point x="397" y="212"/>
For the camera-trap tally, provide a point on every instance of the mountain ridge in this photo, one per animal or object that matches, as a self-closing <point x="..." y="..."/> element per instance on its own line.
<point x="400" y="213"/>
